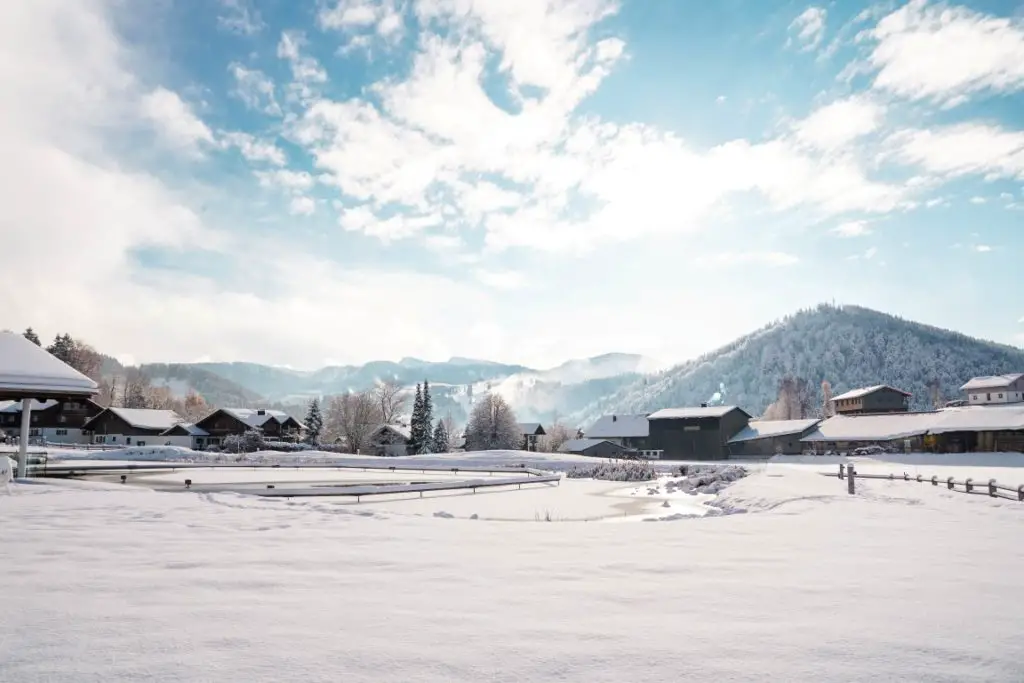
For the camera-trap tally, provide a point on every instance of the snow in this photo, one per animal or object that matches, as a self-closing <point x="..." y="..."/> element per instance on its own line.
<point x="15" y="406"/>
<point x="145" y="418"/>
<point x="619" y="426"/>
<point x="255" y="417"/>
<point x="892" y="426"/>
<point x="580" y="445"/>
<point x="105" y="582"/>
<point x="686" y="413"/>
<point x="991" y="382"/>
<point x="864" y="391"/>
<point x="26" y="367"/>
<point x="763" y="429"/>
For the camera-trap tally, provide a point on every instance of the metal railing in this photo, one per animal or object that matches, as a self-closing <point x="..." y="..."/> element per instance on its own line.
<point x="990" y="488"/>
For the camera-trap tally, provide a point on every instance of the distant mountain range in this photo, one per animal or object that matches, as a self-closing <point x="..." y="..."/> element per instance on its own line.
<point x="849" y="346"/>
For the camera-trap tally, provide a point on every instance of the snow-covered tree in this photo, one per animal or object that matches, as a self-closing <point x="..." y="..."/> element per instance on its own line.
<point x="314" y="423"/>
<point x="417" y="433"/>
<point x="352" y="418"/>
<point x="557" y="435"/>
<point x="492" y="426"/>
<point x="828" y="409"/>
<point x="441" y="440"/>
<point x="426" y="421"/>
<point x="31" y="335"/>
<point x="390" y="400"/>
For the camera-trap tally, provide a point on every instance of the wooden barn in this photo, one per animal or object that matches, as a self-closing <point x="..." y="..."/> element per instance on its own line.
<point x="695" y="433"/>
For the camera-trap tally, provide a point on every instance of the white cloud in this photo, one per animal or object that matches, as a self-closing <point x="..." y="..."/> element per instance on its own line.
<point x="982" y="248"/>
<point x="254" y="149"/>
<point x="175" y="121"/>
<point x="839" y="123"/>
<point x="307" y="73"/>
<point x="963" y="149"/>
<point x="255" y="89"/>
<point x="302" y="206"/>
<point x="742" y="258"/>
<point x="945" y="54"/>
<point x="978" y="200"/>
<point x="871" y="252"/>
<point x="240" y="17"/>
<point x="852" y="229"/>
<point x="808" y="28"/>
<point x="293" y="181"/>
<point x="500" y="279"/>
<point x="383" y="18"/>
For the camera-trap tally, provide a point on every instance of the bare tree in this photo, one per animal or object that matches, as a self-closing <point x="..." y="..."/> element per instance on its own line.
<point x="390" y="401"/>
<point x="194" y="407"/>
<point x="828" y="409"/>
<point x="793" y="403"/>
<point x="557" y="436"/>
<point x="135" y="389"/>
<point x="353" y="417"/>
<point x="935" y="393"/>
<point x="492" y="426"/>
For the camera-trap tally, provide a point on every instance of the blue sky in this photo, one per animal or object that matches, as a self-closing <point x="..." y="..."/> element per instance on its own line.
<point x="303" y="183"/>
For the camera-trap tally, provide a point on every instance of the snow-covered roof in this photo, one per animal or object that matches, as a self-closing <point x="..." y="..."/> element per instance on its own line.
<point x="530" y="428"/>
<point x="15" y="406"/>
<point x="990" y="382"/>
<point x="864" y="391"/>
<point x="763" y="429"/>
<point x="188" y="427"/>
<point x="141" y="418"/>
<point x="684" y="413"/>
<point x="619" y="427"/>
<point x="886" y="427"/>
<point x="979" y="419"/>
<point x="580" y="445"/>
<point x="401" y="430"/>
<point x="255" y="417"/>
<point x="31" y="371"/>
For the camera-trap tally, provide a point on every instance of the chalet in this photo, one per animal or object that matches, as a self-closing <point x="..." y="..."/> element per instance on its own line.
<point x="186" y="435"/>
<point x="130" y="426"/>
<point x="877" y="399"/>
<point x="531" y="432"/>
<point x="771" y="437"/>
<point x="695" y="433"/>
<point x="630" y="431"/>
<point x="994" y="390"/>
<point x="51" y="420"/>
<point x="595" y="448"/>
<point x="224" y="422"/>
<point x="390" y="440"/>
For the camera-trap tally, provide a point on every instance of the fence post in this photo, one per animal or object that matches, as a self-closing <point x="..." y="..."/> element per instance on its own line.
<point x="841" y="468"/>
<point x="851" y="484"/>
<point x="949" y="483"/>
<point x="992" y="488"/>
<point x="906" y="477"/>
<point x="969" y="485"/>
<point x="1020" y="492"/>
<point x="935" y="480"/>
<point x="919" y="479"/>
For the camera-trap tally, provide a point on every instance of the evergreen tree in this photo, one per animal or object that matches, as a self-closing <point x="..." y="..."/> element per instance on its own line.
<point x="441" y="444"/>
<point x="417" y="433"/>
<point x="427" y="414"/>
<point x="31" y="335"/>
<point x="62" y="348"/>
<point x="314" y="423"/>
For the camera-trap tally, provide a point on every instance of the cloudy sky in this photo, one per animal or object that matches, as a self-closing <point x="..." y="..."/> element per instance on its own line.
<point x="303" y="183"/>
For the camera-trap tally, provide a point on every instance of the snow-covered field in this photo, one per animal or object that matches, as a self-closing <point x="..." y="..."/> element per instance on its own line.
<point x="904" y="581"/>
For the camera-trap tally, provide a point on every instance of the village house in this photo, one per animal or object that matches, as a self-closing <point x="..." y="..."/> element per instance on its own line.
<point x="771" y="437"/>
<point x="390" y="440"/>
<point x="51" y="421"/>
<point x="595" y="448"/>
<point x="531" y="433"/>
<point x="994" y="390"/>
<point x="877" y="399"/>
<point x="695" y="433"/>
<point x="630" y="431"/>
<point x="130" y="426"/>
<point x="276" y="425"/>
<point x="186" y="435"/>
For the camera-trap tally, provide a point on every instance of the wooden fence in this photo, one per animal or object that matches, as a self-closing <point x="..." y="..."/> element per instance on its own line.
<point x="990" y="488"/>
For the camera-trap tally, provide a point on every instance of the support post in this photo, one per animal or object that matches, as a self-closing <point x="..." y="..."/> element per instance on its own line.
<point x="950" y="483"/>
<point x="851" y="480"/>
<point x="841" y="468"/>
<point x="969" y="485"/>
<point x="26" y="423"/>
<point x="935" y="480"/>
<point x="992" y="491"/>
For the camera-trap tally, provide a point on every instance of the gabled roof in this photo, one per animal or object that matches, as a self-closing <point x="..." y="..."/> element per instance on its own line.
<point x="255" y="417"/>
<point x="765" y="429"/>
<point x="1002" y="418"/>
<point x="885" y="427"/>
<point x="140" y="418"/>
<point x="30" y="371"/>
<point x="15" y="406"/>
<point x="531" y="428"/>
<point x="991" y="382"/>
<point x="619" y="427"/>
<point x="188" y="428"/>
<point x="689" y="413"/>
<point x="580" y="445"/>
<point x="864" y="391"/>
<point x="401" y="430"/>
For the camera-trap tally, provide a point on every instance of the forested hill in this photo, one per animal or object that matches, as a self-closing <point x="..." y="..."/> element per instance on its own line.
<point x="849" y="346"/>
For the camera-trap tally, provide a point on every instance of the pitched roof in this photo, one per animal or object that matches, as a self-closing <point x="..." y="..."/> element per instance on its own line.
<point x="187" y="427"/>
<point x="619" y="427"/>
<point x="687" y="413"/>
<point x="979" y="419"/>
<point x="29" y="369"/>
<point x="530" y="428"/>
<point x="991" y="382"/>
<point x="894" y="426"/>
<point x="257" y="417"/>
<point x="15" y="406"/>
<point x="141" y="418"/>
<point x="864" y="391"/>
<point x="401" y="430"/>
<point x="764" y="429"/>
<point x="580" y="445"/>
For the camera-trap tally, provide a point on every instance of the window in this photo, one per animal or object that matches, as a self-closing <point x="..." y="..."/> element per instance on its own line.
<point x="974" y="398"/>
<point x="1000" y="395"/>
<point x="61" y="432"/>
<point x="128" y="440"/>
<point x="988" y="397"/>
<point x="99" y="439"/>
<point x="139" y="443"/>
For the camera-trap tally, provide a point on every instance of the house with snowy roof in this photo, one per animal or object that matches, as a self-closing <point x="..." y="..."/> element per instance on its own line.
<point x="994" y="389"/>
<point x="391" y="440"/>
<point x="276" y="425"/>
<point x="630" y="431"/>
<point x="762" y="438"/>
<point x="531" y="433"/>
<point x="880" y="398"/>
<point x="130" y="426"/>
<point x="51" y="420"/>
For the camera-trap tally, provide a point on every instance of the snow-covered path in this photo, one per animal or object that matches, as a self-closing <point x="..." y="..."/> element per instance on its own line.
<point x="903" y="582"/>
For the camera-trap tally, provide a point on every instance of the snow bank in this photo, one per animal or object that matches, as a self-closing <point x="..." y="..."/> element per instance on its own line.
<point x="135" y="454"/>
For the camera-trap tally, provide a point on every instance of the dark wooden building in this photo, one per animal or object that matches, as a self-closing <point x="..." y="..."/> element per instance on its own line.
<point x="130" y="426"/>
<point x="51" y="420"/>
<point x="630" y="431"/>
<point x="595" y="448"/>
<point x="876" y="399"/>
<point x="224" y="422"/>
<point x="695" y="433"/>
<point x="531" y="431"/>
<point x="765" y="438"/>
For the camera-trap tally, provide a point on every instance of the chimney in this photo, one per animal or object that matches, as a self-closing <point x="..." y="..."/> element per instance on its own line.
<point x="703" y="405"/>
<point x="261" y="412"/>
<point x="614" y="418"/>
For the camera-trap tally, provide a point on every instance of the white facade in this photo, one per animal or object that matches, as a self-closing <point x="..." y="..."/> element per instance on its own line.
<point x="51" y="434"/>
<point x="129" y="440"/>
<point x="996" y="390"/>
